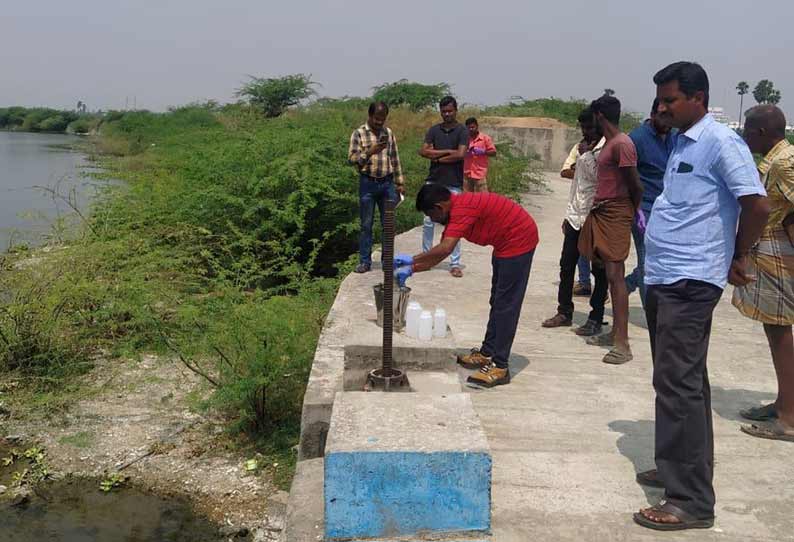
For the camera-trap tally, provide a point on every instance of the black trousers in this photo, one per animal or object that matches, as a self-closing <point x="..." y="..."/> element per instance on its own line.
<point x="568" y="262"/>
<point x="679" y="323"/>
<point x="508" y="286"/>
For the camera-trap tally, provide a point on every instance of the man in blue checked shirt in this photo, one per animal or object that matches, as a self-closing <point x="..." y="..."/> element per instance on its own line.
<point x="696" y="242"/>
<point x="654" y="140"/>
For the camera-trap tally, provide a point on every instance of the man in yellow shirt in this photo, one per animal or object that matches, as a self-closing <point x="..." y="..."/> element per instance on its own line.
<point x="768" y="295"/>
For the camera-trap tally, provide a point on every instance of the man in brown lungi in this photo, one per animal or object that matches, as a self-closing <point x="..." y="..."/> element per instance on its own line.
<point x="768" y="294"/>
<point x="605" y="238"/>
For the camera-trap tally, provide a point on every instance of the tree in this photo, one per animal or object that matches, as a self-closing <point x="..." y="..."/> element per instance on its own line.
<point x="415" y="95"/>
<point x="766" y="93"/>
<point x="609" y="92"/>
<point x="742" y="88"/>
<point x="274" y="95"/>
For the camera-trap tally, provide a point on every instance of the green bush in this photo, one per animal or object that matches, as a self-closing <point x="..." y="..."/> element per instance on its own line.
<point x="416" y="96"/>
<point x="84" y="125"/>
<point x="275" y="94"/>
<point x="566" y="111"/>
<point x="56" y="123"/>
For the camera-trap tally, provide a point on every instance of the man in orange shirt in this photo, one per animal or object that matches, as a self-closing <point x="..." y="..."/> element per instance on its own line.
<point x="475" y="163"/>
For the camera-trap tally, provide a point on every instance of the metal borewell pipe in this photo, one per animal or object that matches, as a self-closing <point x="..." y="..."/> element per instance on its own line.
<point x="387" y="375"/>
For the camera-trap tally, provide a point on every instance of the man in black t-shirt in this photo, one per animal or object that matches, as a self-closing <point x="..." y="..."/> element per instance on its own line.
<point x="445" y="146"/>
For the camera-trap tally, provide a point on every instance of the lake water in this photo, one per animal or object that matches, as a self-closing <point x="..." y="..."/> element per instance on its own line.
<point x="28" y="161"/>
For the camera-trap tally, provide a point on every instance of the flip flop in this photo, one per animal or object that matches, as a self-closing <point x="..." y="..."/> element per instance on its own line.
<point x="763" y="413"/>
<point x="649" y="478"/>
<point x="685" y="519"/>
<point x="773" y="430"/>
<point x="605" y="339"/>
<point x="616" y="356"/>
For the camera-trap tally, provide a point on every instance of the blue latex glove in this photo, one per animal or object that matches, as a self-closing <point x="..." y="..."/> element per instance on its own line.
<point x="639" y="220"/>
<point x="403" y="259"/>
<point x="402" y="274"/>
<point x="477" y="151"/>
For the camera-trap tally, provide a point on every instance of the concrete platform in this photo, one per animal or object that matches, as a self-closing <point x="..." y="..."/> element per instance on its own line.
<point x="399" y="464"/>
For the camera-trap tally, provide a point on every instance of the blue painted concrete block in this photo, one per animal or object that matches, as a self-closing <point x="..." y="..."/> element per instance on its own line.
<point x="403" y="464"/>
<point x="389" y="494"/>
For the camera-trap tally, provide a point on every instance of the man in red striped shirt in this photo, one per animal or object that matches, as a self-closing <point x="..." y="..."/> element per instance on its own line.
<point x="482" y="218"/>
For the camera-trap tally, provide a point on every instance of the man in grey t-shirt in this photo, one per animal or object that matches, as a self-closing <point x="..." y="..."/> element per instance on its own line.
<point x="445" y="146"/>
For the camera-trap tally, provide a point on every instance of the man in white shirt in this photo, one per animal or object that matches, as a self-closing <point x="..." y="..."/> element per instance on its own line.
<point x="582" y="286"/>
<point x="580" y="200"/>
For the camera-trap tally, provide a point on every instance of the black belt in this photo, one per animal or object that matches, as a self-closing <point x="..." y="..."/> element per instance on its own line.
<point x="386" y="179"/>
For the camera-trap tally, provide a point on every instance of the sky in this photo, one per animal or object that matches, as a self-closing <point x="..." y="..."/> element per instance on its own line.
<point x="156" y="54"/>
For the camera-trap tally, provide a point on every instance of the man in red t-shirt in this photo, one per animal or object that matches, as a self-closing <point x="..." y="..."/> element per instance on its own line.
<point x="605" y="238"/>
<point x="482" y="218"/>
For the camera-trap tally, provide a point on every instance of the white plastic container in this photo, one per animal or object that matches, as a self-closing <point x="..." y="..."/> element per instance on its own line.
<point x="412" y="314"/>
<point x="425" y="326"/>
<point x="440" y="323"/>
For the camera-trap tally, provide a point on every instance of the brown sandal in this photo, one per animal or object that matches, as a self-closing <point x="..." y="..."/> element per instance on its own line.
<point x="558" y="320"/>
<point x="773" y="430"/>
<point x="618" y="356"/>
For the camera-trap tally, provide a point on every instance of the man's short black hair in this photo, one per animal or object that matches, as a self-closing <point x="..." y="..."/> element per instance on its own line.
<point x="586" y="116"/>
<point x="430" y="195"/>
<point x="447" y="100"/>
<point x="691" y="78"/>
<point x="374" y="107"/>
<point x="609" y="106"/>
<point x="472" y="120"/>
<point x="655" y="106"/>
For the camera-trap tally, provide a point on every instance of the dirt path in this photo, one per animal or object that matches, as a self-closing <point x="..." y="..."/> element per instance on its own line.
<point x="137" y="417"/>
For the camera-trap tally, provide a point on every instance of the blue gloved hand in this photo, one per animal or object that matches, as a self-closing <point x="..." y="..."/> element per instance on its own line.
<point x="639" y="220"/>
<point x="478" y="151"/>
<point x="402" y="274"/>
<point x="403" y="259"/>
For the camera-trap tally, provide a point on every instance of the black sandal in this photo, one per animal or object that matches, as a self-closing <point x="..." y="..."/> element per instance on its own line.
<point x="685" y="519"/>
<point x="649" y="478"/>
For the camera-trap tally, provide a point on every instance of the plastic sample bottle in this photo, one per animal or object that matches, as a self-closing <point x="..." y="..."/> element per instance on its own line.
<point x="412" y="314"/>
<point x="440" y="323"/>
<point x="425" y="326"/>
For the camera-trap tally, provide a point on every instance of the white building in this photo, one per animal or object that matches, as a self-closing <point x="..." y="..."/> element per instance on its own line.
<point x="720" y="116"/>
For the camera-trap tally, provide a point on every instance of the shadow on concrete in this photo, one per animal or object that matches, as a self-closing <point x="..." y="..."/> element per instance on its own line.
<point x="728" y="402"/>
<point x="637" y="444"/>
<point x="637" y="317"/>
<point x="517" y="364"/>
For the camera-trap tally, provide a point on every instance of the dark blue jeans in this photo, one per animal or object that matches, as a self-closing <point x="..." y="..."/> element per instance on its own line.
<point x="508" y="286"/>
<point x="372" y="192"/>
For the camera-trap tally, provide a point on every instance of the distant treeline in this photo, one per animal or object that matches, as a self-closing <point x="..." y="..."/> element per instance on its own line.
<point x="44" y="119"/>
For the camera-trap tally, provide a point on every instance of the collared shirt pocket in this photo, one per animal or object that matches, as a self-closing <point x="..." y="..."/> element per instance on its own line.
<point x="687" y="187"/>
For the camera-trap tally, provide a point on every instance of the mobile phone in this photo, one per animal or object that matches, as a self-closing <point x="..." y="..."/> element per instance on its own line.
<point x="383" y="138"/>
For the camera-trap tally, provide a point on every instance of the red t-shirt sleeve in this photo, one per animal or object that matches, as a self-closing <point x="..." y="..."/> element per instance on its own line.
<point x="626" y="153"/>
<point x="457" y="229"/>
<point x="461" y="222"/>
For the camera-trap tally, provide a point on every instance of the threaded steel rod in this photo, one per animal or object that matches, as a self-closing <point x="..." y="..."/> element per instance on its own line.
<point x="388" y="286"/>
